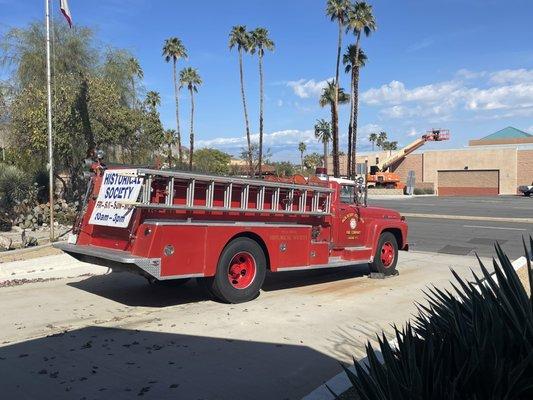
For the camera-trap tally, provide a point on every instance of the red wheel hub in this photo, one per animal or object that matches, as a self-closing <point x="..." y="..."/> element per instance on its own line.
<point x="387" y="254"/>
<point x="242" y="269"/>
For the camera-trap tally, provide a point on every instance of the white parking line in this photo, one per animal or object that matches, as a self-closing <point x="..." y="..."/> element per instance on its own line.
<point x="493" y="227"/>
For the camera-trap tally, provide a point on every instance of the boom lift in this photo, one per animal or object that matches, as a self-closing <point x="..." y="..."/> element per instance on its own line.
<point x="379" y="177"/>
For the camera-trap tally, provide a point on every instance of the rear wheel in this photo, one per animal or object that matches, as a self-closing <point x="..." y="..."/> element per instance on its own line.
<point x="386" y="255"/>
<point x="240" y="272"/>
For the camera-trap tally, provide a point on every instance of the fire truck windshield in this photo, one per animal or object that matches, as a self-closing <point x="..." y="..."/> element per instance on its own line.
<point x="347" y="194"/>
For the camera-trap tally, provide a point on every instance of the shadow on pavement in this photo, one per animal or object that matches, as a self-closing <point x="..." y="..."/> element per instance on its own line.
<point x="133" y="290"/>
<point x="102" y="363"/>
<point x="293" y="279"/>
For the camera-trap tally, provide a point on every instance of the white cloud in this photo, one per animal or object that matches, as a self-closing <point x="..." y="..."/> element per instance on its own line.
<point x="412" y="132"/>
<point x="530" y="129"/>
<point x="509" y="90"/>
<point x="283" y="138"/>
<point x="467" y="74"/>
<point x="512" y="76"/>
<point x="280" y="103"/>
<point x="422" y="44"/>
<point x="307" y="88"/>
<point x="395" y="92"/>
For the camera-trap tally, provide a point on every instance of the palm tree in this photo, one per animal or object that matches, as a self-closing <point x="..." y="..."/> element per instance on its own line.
<point x="152" y="100"/>
<point x="241" y="38"/>
<point x="382" y="138"/>
<point x="328" y="97"/>
<point x="260" y="41"/>
<point x="135" y="71"/>
<point x="189" y="77"/>
<point x="173" y="49"/>
<point x="360" y="20"/>
<point x="302" y="148"/>
<point x="390" y="146"/>
<point x="169" y="139"/>
<point x="323" y="134"/>
<point x="351" y="65"/>
<point x="372" y="138"/>
<point x="337" y="10"/>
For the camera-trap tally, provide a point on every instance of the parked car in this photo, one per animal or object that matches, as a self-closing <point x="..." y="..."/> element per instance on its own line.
<point x="526" y="189"/>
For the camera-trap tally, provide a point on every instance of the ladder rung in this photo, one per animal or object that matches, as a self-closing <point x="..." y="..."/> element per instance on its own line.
<point x="209" y="194"/>
<point x="169" y="199"/>
<point x="228" y="194"/>
<point x="244" y="197"/>
<point x="190" y="193"/>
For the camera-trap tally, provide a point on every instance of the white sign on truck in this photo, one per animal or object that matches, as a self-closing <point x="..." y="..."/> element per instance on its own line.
<point x="114" y="205"/>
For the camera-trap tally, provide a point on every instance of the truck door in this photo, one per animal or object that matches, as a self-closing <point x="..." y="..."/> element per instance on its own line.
<point x="350" y="227"/>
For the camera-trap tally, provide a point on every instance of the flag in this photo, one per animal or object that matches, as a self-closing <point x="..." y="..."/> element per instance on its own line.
<point x="63" y="4"/>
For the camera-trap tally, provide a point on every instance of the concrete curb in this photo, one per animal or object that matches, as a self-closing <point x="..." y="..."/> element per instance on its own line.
<point x="47" y="267"/>
<point x="470" y="218"/>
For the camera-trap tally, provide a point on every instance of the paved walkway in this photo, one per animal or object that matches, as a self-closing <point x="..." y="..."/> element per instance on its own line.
<point x="115" y="335"/>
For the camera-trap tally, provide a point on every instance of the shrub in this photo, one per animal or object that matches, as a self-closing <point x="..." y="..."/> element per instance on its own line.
<point x="15" y="186"/>
<point x="419" y="191"/>
<point x="476" y="344"/>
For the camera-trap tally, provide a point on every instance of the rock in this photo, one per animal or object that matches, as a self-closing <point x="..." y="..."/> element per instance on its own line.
<point x="32" y="241"/>
<point x="5" y="243"/>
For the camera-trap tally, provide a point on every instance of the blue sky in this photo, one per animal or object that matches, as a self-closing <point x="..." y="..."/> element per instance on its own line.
<point x="466" y="65"/>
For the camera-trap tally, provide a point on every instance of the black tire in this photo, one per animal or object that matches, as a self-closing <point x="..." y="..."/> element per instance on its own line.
<point x="172" y="282"/>
<point x="527" y="194"/>
<point x="240" y="254"/>
<point x="386" y="243"/>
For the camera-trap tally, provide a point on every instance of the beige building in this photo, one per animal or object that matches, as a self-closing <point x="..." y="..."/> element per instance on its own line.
<point x="496" y="164"/>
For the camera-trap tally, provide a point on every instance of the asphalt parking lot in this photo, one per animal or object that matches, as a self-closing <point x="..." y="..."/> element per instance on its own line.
<point x="451" y="233"/>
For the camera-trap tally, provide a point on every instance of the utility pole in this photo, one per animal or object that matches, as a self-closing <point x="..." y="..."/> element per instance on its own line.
<point x="50" y="143"/>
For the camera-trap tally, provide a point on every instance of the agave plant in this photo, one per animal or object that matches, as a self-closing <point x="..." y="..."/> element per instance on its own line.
<point x="476" y="343"/>
<point x="14" y="186"/>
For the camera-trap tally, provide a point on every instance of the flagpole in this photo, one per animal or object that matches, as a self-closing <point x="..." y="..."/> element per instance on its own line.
<point x="50" y="149"/>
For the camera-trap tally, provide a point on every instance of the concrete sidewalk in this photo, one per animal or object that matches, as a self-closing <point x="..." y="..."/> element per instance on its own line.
<point x="57" y="266"/>
<point x="93" y="336"/>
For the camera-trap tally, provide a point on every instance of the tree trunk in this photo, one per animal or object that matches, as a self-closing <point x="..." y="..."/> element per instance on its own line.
<point x="302" y="162"/>
<point x="335" y="121"/>
<point x="354" y="122"/>
<point x="350" y="134"/>
<point x="84" y="117"/>
<point x="191" y="148"/>
<point x="248" y="139"/>
<point x="325" y="142"/>
<point x="169" y="154"/>
<point x="176" y="95"/>
<point x="261" y="95"/>
<point x="335" y="150"/>
<point x="355" y="104"/>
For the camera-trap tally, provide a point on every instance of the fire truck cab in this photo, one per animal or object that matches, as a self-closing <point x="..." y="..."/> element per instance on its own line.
<point x="228" y="231"/>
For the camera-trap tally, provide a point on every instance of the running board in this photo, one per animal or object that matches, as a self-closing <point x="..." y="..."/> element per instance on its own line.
<point x="335" y="264"/>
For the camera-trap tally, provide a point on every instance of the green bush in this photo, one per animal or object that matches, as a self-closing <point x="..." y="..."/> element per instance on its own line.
<point x="419" y="191"/>
<point x="474" y="344"/>
<point x="15" y="186"/>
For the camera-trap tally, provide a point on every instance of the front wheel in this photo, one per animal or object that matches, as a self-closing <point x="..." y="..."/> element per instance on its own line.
<point x="386" y="255"/>
<point x="241" y="271"/>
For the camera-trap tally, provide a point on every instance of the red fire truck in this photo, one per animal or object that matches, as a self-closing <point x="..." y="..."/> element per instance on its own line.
<point x="228" y="231"/>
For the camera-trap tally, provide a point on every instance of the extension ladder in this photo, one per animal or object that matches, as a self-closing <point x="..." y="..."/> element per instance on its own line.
<point x="230" y="194"/>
